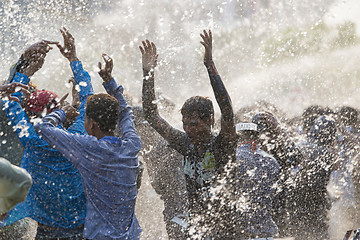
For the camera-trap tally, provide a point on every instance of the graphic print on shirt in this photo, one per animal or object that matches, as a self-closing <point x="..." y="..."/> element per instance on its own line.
<point x="201" y="171"/>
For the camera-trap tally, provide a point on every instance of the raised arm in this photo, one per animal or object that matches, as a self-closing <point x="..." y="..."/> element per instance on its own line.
<point x="228" y="129"/>
<point x="175" y="137"/>
<point x="81" y="77"/>
<point x="30" y="62"/>
<point x="8" y="89"/>
<point x="126" y="117"/>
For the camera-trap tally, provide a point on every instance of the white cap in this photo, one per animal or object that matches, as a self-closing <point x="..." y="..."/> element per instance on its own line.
<point x="246" y="126"/>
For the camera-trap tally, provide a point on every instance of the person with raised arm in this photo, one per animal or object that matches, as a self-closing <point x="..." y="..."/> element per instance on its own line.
<point x="205" y="154"/>
<point x="108" y="165"/>
<point x="57" y="199"/>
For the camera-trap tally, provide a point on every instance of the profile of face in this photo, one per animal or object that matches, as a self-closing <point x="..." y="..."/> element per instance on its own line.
<point x="87" y="125"/>
<point x="197" y="130"/>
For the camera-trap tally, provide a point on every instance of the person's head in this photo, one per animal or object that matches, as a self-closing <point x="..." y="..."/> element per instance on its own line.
<point x="41" y="103"/>
<point x="348" y="116"/>
<point x="310" y="114"/>
<point x="323" y="132"/>
<point x="198" y="118"/>
<point x="247" y="131"/>
<point x="102" y="114"/>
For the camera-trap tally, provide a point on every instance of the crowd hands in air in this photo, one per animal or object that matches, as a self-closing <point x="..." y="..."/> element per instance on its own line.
<point x="256" y="178"/>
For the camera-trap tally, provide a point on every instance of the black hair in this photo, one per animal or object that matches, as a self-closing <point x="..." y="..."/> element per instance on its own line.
<point x="104" y="110"/>
<point x="348" y="115"/>
<point x="202" y="106"/>
<point x="311" y="113"/>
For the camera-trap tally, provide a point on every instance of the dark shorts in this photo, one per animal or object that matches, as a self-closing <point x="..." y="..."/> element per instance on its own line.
<point x="50" y="233"/>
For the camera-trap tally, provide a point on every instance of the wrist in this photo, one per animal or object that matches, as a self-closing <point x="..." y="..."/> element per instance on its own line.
<point x="147" y="72"/>
<point x="208" y="62"/>
<point x="73" y="59"/>
<point x="28" y="72"/>
<point x="107" y="78"/>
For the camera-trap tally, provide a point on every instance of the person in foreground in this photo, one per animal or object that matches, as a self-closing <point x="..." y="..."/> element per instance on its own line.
<point x="108" y="165"/>
<point x="56" y="200"/>
<point x="205" y="155"/>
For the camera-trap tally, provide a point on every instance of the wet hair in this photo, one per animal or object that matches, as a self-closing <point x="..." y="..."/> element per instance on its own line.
<point x="202" y="106"/>
<point x="323" y="132"/>
<point x="311" y="113"/>
<point x="348" y="115"/>
<point x="104" y="110"/>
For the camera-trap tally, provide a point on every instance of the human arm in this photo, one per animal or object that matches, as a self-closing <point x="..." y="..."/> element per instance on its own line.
<point x="126" y="117"/>
<point x="228" y="129"/>
<point x="29" y="63"/>
<point x="81" y="77"/>
<point x="31" y="60"/>
<point x="8" y="89"/>
<point x="20" y="122"/>
<point x="75" y="94"/>
<point x="69" y="144"/>
<point x="175" y="137"/>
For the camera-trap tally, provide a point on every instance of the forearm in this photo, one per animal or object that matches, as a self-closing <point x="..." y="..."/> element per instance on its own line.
<point x="221" y="95"/>
<point x="55" y="118"/>
<point x="20" y="121"/>
<point x="82" y="79"/>
<point x="70" y="145"/>
<point x="174" y="137"/>
<point x="18" y="67"/>
<point x="115" y="90"/>
<point x="23" y="79"/>
<point x="151" y="112"/>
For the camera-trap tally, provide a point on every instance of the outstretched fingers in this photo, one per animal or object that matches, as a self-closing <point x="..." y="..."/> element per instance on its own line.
<point x="62" y="100"/>
<point x="142" y="50"/>
<point x="207" y="37"/>
<point x="153" y="48"/>
<point x="60" y="48"/>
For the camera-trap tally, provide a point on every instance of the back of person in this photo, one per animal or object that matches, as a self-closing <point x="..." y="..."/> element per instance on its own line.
<point x="55" y="179"/>
<point x="108" y="165"/>
<point x="258" y="175"/>
<point x="109" y="180"/>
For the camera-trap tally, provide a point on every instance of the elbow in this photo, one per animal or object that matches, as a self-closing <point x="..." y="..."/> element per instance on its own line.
<point x="37" y="127"/>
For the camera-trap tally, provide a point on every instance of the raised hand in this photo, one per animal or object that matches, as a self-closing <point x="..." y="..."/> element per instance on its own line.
<point x="71" y="112"/>
<point x="105" y="73"/>
<point x="34" y="56"/>
<point x="6" y="90"/>
<point x="149" y="56"/>
<point x="207" y="43"/>
<point x="68" y="50"/>
<point x="75" y="94"/>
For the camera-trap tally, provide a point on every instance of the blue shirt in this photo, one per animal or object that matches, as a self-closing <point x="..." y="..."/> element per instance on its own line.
<point x="108" y="168"/>
<point x="258" y="175"/>
<point x="56" y="198"/>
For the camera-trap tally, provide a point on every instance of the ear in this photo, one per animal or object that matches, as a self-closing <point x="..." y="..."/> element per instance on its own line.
<point x="94" y="125"/>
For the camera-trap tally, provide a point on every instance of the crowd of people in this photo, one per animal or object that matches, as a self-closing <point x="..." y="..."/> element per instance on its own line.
<point x="249" y="176"/>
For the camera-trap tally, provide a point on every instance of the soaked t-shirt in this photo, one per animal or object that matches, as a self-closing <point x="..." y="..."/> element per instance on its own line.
<point x="203" y="169"/>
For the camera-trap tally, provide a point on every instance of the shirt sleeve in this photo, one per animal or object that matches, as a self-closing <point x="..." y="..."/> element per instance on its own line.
<point x="126" y="117"/>
<point x="23" y="79"/>
<point x="83" y="80"/>
<point x="70" y="145"/>
<point x="20" y="121"/>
